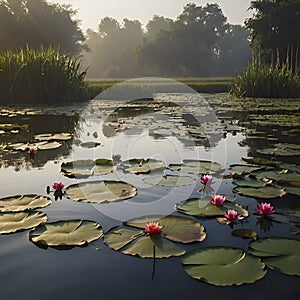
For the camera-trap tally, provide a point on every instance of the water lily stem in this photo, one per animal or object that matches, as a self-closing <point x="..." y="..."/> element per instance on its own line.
<point x="153" y="264"/>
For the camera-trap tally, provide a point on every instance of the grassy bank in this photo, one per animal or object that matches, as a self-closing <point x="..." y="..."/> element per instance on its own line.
<point x="200" y="85"/>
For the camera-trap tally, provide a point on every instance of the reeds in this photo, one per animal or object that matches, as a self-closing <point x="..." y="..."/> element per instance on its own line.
<point x="40" y="76"/>
<point x="266" y="82"/>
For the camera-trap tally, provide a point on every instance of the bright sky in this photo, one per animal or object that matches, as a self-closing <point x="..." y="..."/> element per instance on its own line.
<point x="92" y="11"/>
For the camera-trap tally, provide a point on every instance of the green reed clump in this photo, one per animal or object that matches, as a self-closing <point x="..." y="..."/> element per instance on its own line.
<point x="40" y="76"/>
<point x="266" y="82"/>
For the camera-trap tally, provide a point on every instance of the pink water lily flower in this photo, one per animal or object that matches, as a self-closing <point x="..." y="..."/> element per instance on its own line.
<point x="231" y="215"/>
<point x="31" y="151"/>
<point x="218" y="200"/>
<point x="206" y="179"/>
<point x="153" y="227"/>
<point x="265" y="208"/>
<point x="58" y="186"/>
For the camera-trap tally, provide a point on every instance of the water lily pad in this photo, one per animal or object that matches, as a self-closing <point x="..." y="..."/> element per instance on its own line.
<point x="259" y="161"/>
<point x="292" y="190"/>
<point x="87" y="167"/>
<point x="131" y="238"/>
<point x="142" y="166"/>
<point x="203" y="208"/>
<point x="223" y="266"/>
<point x="26" y="146"/>
<point x="278" y="253"/>
<point x="90" y="144"/>
<point x="282" y="150"/>
<point x="281" y="176"/>
<point x="49" y="146"/>
<point x="261" y="193"/>
<point x="295" y="212"/>
<point x="53" y="137"/>
<point x="66" y="233"/>
<point x="197" y="167"/>
<point x="169" y="180"/>
<point x="17" y="221"/>
<point x="100" y="191"/>
<point x="243" y="169"/>
<point x="23" y="202"/>
<point x="245" y="234"/>
<point x="250" y="182"/>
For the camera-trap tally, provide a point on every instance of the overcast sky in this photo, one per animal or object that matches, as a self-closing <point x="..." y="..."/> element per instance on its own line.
<point x="92" y="11"/>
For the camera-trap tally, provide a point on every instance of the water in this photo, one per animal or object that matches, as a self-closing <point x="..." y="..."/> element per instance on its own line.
<point x="170" y="133"/>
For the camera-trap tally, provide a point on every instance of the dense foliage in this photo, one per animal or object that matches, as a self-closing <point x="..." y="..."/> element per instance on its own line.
<point x="36" y="23"/>
<point x="47" y="75"/>
<point x="199" y="42"/>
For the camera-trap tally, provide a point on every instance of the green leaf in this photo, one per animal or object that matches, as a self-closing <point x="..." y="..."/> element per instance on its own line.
<point x="142" y="166"/>
<point x="278" y="253"/>
<point x="17" y="221"/>
<point x="131" y="238"/>
<point x="295" y="212"/>
<point x="100" y="191"/>
<point x="259" y="161"/>
<point x="249" y="182"/>
<point x="169" y="180"/>
<point x="90" y="144"/>
<point x="203" y="208"/>
<point x="53" y="137"/>
<point x="223" y="266"/>
<point x="87" y="167"/>
<point x="261" y="193"/>
<point x="197" y="167"/>
<point x="23" y="202"/>
<point x="243" y="169"/>
<point x="66" y="233"/>
<point x="245" y="234"/>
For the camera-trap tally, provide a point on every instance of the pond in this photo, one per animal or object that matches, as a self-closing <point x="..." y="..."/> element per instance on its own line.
<point x="155" y="152"/>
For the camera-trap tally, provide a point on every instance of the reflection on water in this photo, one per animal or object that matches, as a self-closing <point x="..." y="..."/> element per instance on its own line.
<point x="172" y="128"/>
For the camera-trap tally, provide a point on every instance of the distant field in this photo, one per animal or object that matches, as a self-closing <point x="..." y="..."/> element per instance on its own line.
<point x="200" y="85"/>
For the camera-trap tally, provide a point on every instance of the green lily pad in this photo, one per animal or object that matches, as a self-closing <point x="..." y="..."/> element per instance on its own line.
<point x="278" y="253"/>
<point x="250" y="182"/>
<point x="281" y="176"/>
<point x="100" y="191"/>
<point x="49" y="146"/>
<point x="261" y="193"/>
<point x="295" y="212"/>
<point x="243" y="169"/>
<point x="292" y="190"/>
<point x="17" y="221"/>
<point x="87" y="167"/>
<point x="25" y="147"/>
<point x="282" y="150"/>
<point x="90" y="144"/>
<point x="245" y="234"/>
<point x="142" y="166"/>
<point x="131" y="238"/>
<point x="223" y="266"/>
<point x="23" y="202"/>
<point x="197" y="167"/>
<point x="53" y="137"/>
<point x="169" y="180"/>
<point x="66" y="233"/>
<point x="259" y="161"/>
<point x="203" y="208"/>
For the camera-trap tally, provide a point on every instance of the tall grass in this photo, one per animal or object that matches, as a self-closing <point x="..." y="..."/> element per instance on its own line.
<point x="266" y="82"/>
<point x="43" y="76"/>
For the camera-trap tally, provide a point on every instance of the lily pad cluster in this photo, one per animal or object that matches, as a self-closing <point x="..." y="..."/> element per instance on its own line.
<point x="87" y="167"/>
<point x="18" y="213"/>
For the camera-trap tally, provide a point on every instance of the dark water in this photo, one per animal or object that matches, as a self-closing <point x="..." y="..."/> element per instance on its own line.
<point x="152" y="131"/>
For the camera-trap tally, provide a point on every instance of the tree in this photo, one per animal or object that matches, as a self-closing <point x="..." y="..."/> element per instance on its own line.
<point x="38" y="23"/>
<point x="275" y="31"/>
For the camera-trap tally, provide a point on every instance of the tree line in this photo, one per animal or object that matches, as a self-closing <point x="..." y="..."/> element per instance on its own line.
<point x="199" y="42"/>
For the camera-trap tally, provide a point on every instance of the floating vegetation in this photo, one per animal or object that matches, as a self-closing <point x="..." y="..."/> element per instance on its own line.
<point x="142" y="166"/>
<point x="266" y="192"/>
<point x="100" y="191"/>
<point x="280" y="254"/>
<point x="17" y="221"/>
<point x="169" y="180"/>
<point x="198" y="167"/>
<point x="23" y="202"/>
<point x="53" y="137"/>
<point x="87" y="167"/>
<point x="245" y="234"/>
<point x="90" y="144"/>
<point x="223" y="266"/>
<point x="132" y="237"/>
<point x="204" y="208"/>
<point x="66" y="233"/>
